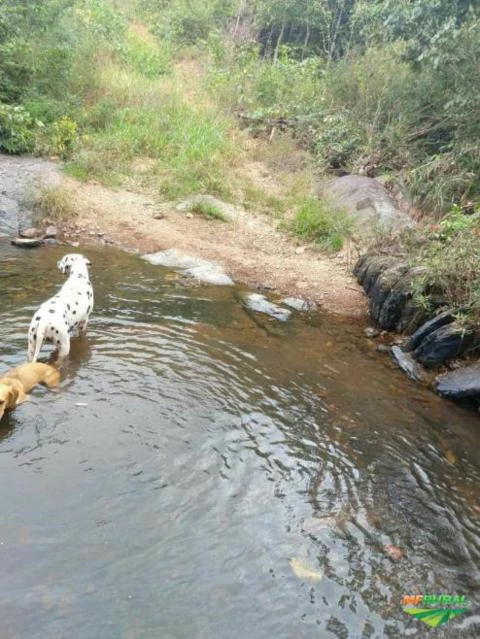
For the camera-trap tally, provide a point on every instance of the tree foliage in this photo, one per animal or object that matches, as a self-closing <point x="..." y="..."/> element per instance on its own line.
<point x="389" y="84"/>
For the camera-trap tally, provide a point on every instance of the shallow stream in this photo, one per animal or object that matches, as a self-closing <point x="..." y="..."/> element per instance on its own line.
<point x="195" y="463"/>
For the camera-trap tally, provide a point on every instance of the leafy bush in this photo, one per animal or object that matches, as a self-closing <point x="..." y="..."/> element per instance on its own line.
<point x="140" y="55"/>
<point x="18" y="129"/>
<point x="64" y="137"/>
<point x="449" y="251"/>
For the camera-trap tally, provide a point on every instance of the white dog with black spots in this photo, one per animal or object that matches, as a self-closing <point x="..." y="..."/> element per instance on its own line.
<point x="67" y="311"/>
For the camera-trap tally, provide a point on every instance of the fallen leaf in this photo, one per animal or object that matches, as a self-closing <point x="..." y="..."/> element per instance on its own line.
<point x="451" y="457"/>
<point x="303" y="571"/>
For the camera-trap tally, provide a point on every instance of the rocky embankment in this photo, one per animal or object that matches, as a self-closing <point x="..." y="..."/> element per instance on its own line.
<point x="435" y="339"/>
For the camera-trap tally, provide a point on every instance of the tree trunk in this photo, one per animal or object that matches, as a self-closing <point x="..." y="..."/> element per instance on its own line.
<point x="333" y="41"/>
<point x="279" y="42"/>
<point x="306" y="41"/>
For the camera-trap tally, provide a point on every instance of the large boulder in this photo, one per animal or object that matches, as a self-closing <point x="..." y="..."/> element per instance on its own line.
<point x="376" y="265"/>
<point x="400" y="294"/>
<point x="367" y="201"/>
<point x="382" y="287"/>
<point x="462" y="383"/>
<point x="444" y="344"/>
<point x="432" y="325"/>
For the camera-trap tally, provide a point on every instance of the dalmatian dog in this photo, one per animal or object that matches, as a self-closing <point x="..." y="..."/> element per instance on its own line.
<point x="64" y="313"/>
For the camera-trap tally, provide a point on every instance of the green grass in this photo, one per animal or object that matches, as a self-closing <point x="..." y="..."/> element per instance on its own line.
<point x="316" y="221"/>
<point x="147" y="117"/>
<point x="449" y="251"/>
<point x="208" y="210"/>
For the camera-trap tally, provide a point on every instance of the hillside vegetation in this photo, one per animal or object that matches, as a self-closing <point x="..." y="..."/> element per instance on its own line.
<point x="380" y="87"/>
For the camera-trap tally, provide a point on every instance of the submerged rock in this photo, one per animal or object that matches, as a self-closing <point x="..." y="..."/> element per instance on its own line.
<point x="462" y="383"/>
<point x="260" y="304"/>
<point x="51" y="232"/>
<point x="202" y="270"/>
<point x="304" y="570"/>
<point x="31" y="233"/>
<point x="406" y="362"/>
<point x="24" y="242"/>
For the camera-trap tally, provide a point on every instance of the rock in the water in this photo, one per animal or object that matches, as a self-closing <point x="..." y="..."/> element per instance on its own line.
<point x="368" y="202"/>
<point x="303" y="570"/>
<point x="30" y="233"/>
<point x="24" y="242"/>
<point x="384" y="348"/>
<point x="50" y="232"/>
<point x="260" y="304"/>
<point x="444" y="344"/>
<point x="429" y="327"/>
<point x="298" y="304"/>
<point x="371" y="332"/>
<point x="406" y="363"/>
<point x="460" y="384"/>
<point x="202" y="270"/>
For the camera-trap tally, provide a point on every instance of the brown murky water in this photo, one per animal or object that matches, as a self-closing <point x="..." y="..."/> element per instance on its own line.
<point x="194" y="460"/>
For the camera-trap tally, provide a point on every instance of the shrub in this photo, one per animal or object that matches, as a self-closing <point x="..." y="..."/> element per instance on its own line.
<point x="54" y="202"/>
<point x="18" y="129"/>
<point x="319" y="222"/>
<point x="449" y="250"/>
<point x="64" y="137"/>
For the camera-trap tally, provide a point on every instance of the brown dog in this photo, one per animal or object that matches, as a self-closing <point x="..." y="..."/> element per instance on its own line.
<point x="17" y="383"/>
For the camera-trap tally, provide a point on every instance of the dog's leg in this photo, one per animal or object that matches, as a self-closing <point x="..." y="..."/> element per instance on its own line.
<point x="82" y="327"/>
<point x="63" y="348"/>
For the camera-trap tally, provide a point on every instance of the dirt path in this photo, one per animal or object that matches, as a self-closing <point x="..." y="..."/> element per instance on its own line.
<point x="249" y="247"/>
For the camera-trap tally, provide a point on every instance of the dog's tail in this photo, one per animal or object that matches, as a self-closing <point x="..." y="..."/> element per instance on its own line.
<point x="35" y="344"/>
